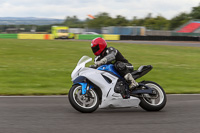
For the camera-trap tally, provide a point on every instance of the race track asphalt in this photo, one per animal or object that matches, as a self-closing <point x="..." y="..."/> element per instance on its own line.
<point x="54" y="114"/>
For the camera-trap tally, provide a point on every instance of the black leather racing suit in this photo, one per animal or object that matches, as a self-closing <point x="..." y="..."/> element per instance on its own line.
<point x="113" y="56"/>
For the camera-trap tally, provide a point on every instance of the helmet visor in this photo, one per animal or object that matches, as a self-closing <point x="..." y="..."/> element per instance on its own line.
<point x="95" y="48"/>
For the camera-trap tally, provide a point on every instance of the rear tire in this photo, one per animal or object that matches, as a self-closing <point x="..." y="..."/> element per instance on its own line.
<point x="86" y="103"/>
<point x="153" y="102"/>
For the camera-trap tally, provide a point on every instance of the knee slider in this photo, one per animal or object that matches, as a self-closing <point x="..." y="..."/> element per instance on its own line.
<point x="120" y="66"/>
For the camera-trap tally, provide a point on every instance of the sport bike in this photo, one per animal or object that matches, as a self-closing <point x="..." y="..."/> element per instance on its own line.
<point x="101" y="87"/>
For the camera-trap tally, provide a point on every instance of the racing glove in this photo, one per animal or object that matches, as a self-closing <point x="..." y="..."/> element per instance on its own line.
<point x="101" y="62"/>
<point x="93" y="66"/>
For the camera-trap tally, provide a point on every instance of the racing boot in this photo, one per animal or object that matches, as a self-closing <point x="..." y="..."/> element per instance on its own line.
<point x="129" y="78"/>
<point x="125" y="93"/>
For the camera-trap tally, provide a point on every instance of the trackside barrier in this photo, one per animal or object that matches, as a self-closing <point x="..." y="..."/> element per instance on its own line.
<point x="160" y="38"/>
<point x="9" y="36"/>
<point x="91" y="37"/>
<point x="87" y="37"/>
<point x="35" y="36"/>
<point x="105" y="36"/>
<point x="111" y="37"/>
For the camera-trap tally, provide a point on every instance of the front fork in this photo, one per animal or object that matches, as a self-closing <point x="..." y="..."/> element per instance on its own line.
<point x="85" y="87"/>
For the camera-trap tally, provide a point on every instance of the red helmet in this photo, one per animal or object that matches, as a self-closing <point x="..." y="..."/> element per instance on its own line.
<point x="98" y="45"/>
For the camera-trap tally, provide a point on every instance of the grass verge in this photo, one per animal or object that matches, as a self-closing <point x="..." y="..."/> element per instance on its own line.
<point x="43" y="67"/>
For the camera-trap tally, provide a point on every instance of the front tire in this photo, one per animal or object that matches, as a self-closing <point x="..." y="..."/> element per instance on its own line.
<point x="153" y="102"/>
<point x="86" y="103"/>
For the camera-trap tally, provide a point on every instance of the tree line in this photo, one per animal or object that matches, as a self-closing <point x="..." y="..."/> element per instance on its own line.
<point x="104" y="19"/>
<point x="154" y="23"/>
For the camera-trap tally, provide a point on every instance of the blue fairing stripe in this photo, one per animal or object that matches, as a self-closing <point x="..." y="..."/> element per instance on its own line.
<point x="109" y="68"/>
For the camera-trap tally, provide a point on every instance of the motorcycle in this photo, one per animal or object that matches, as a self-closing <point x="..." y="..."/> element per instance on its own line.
<point x="100" y="88"/>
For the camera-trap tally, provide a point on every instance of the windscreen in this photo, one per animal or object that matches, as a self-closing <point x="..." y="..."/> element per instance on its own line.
<point x="84" y="59"/>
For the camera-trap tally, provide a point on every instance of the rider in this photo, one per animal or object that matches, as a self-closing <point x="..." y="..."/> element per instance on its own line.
<point x="110" y="55"/>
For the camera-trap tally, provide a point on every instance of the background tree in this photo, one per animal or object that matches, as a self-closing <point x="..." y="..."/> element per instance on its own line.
<point x="104" y="19"/>
<point x="120" y="21"/>
<point x="101" y="20"/>
<point x="179" y="20"/>
<point x="195" y="14"/>
<point x="157" y="23"/>
<point x="73" y="22"/>
<point x="160" y="23"/>
<point x="137" y="22"/>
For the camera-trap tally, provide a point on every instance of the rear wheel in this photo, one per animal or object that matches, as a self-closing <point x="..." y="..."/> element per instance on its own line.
<point x="153" y="102"/>
<point x="85" y="103"/>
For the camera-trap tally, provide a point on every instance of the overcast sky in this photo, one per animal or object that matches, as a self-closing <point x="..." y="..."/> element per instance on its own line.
<point x="81" y="8"/>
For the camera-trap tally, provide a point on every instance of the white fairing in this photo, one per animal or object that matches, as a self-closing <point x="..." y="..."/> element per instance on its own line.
<point x="80" y="65"/>
<point x="109" y="97"/>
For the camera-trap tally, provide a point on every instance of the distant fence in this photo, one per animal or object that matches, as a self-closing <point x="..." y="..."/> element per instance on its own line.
<point x="185" y="34"/>
<point x="124" y="30"/>
<point x="105" y="36"/>
<point x="158" y="33"/>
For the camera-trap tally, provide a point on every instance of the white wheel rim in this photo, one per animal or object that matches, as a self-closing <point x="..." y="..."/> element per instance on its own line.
<point x="82" y="100"/>
<point x="154" y="101"/>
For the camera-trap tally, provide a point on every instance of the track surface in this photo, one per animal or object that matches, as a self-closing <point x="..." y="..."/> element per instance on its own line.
<point x="55" y="115"/>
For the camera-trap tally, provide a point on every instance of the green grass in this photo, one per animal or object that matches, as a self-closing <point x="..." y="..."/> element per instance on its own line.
<point x="41" y="67"/>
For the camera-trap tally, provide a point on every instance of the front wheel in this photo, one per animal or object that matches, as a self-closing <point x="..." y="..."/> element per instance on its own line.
<point x="153" y="102"/>
<point x="85" y="103"/>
